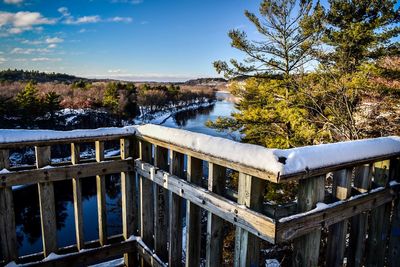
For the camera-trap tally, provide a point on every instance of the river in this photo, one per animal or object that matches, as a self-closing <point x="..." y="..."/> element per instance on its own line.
<point x="26" y="198"/>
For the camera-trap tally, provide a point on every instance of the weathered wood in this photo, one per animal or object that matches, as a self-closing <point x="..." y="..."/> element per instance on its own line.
<point x="128" y="196"/>
<point x="101" y="196"/>
<point x="146" y="201"/>
<point x="8" y="238"/>
<point x="47" y="204"/>
<point x="215" y="224"/>
<point x="359" y="223"/>
<point x="193" y="214"/>
<point x="306" y="247"/>
<point x="175" y="213"/>
<point x="161" y="207"/>
<point x="379" y="221"/>
<point x="247" y="246"/>
<point x="394" y="243"/>
<point x="61" y="173"/>
<point x="54" y="141"/>
<point x="77" y="196"/>
<point x="337" y="232"/>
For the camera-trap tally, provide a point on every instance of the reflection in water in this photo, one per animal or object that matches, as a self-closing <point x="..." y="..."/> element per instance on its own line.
<point x="27" y="213"/>
<point x="181" y="118"/>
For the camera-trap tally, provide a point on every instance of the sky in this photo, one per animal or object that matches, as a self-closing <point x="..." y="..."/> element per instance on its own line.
<point x="158" y="40"/>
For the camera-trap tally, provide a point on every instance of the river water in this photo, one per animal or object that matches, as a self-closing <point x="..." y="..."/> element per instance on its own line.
<point x="26" y="198"/>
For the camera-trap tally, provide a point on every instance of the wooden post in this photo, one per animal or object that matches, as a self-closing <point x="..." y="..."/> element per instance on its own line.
<point x="101" y="196"/>
<point x="175" y="214"/>
<point x="47" y="204"/>
<point x="128" y="195"/>
<point x="215" y="224"/>
<point x="379" y="222"/>
<point x="146" y="201"/>
<point x="193" y="215"/>
<point x="394" y="243"/>
<point x="337" y="232"/>
<point x="161" y="207"/>
<point x="77" y="196"/>
<point x="359" y="223"/>
<point x="247" y="246"/>
<point x="8" y="238"/>
<point x="306" y="248"/>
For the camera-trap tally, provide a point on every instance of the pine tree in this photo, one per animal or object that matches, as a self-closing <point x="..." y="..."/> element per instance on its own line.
<point x="111" y="97"/>
<point x="28" y="102"/>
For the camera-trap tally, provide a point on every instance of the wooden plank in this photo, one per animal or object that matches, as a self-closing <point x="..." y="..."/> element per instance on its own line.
<point x="336" y="243"/>
<point x="161" y="207"/>
<point x="146" y="201"/>
<point x="394" y="242"/>
<point x="175" y="213"/>
<point x="239" y="215"/>
<point x="306" y="247"/>
<point x="53" y="141"/>
<point x="101" y="196"/>
<point x="128" y="196"/>
<point x="379" y="221"/>
<point x="47" y="204"/>
<point x="61" y="173"/>
<point x="8" y="238"/>
<point x="193" y="214"/>
<point x="215" y="224"/>
<point x="77" y="198"/>
<point x="359" y="223"/>
<point x="247" y="246"/>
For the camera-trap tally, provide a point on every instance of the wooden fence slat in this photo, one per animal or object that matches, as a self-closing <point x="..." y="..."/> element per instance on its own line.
<point x="359" y="223"/>
<point x="247" y="246"/>
<point x="101" y="196"/>
<point x="337" y="233"/>
<point x="306" y="247"/>
<point x="47" y="204"/>
<point x="379" y="221"/>
<point x="394" y="242"/>
<point x="161" y="207"/>
<point x="77" y="196"/>
<point x="146" y="200"/>
<point x="193" y="215"/>
<point x="175" y="213"/>
<point x="215" y="224"/>
<point x="128" y="195"/>
<point x="8" y="238"/>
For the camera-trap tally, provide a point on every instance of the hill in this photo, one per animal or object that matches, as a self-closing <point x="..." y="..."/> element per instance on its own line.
<point x="36" y="76"/>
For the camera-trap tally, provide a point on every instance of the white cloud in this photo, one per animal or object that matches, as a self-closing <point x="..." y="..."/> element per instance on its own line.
<point x="133" y="2"/>
<point x="31" y="42"/>
<point x="45" y="59"/>
<point x="54" y="40"/>
<point x="52" y="46"/>
<point x="19" y="22"/>
<point x="83" y="20"/>
<point x="120" y="19"/>
<point x="116" y="71"/>
<point x="15" y="2"/>
<point x="64" y="11"/>
<point x="29" y="51"/>
<point x="2" y="60"/>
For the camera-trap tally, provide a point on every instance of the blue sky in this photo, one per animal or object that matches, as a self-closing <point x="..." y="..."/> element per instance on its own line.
<point x="128" y="39"/>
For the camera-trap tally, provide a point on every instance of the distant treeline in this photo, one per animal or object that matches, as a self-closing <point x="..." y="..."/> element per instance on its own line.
<point x="36" y="76"/>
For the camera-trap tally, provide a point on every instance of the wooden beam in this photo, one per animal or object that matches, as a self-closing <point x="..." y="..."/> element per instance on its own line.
<point x="193" y="214"/>
<point x="337" y="232"/>
<point x="61" y="173"/>
<point x="161" y="207"/>
<point x="146" y="201"/>
<point x="359" y="223"/>
<point x="77" y="198"/>
<point x="8" y="238"/>
<point x="247" y="246"/>
<point x="175" y="213"/>
<point x="128" y="197"/>
<point x="47" y="204"/>
<point x="254" y="222"/>
<point x="379" y="221"/>
<point x="394" y="241"/>
<point x="306" y="247"/>
<point x="101" y="196"/>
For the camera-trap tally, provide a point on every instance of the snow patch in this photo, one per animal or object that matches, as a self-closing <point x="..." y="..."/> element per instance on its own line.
<point x="272" y="263"/>
<point x="4" y="171"/>
<point x="111" y="263"/>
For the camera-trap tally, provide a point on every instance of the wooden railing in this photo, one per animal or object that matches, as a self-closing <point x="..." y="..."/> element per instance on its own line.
<point x="358" y="212"/>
